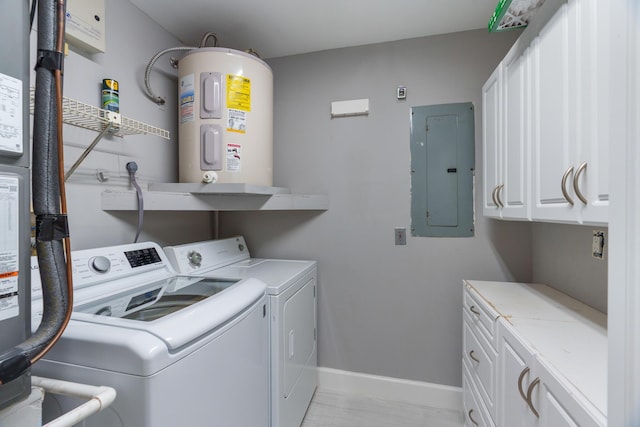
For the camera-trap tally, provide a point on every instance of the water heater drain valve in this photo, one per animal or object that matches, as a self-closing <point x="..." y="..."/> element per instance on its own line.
<point x="209" y="177"/>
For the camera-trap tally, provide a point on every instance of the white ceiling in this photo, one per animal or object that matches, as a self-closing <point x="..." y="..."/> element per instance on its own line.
<point x="277" y="28"/>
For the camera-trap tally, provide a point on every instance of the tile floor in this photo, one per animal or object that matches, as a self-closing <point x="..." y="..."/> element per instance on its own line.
<point x="330" y="409"/>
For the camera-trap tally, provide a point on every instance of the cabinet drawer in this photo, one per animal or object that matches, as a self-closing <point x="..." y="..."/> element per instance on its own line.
<point x="482" y="318"/>
<point x="480" y="359"/>
<point x="475" y="413"/>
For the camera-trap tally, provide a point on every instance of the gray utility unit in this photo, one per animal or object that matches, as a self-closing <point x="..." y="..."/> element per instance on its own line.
<point x="15" y="298"/>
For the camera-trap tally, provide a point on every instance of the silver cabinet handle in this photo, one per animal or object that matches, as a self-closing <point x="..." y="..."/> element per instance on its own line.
<point x="529" y="392"/>
<point x="563" y="185"/>
<point x="576" y="185"/>
<point x="471" y="355"/>
<point x="474" y="311"/>
<point x="493" y="196"/>
<point x="499" y="189"/>
<point x="471" y="418"/>
<point x="524" y="372"/>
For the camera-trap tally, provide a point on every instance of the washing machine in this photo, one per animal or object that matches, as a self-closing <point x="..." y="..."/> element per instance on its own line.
<point x="179" y="350"/>
<point x="291" y="294"/>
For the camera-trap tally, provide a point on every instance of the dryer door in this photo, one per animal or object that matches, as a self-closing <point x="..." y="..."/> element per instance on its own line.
<point x="299" y="315"/>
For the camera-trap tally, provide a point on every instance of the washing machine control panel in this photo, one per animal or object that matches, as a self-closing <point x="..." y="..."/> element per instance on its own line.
<point x="93" y="266"/>
<point x="114" y="267"/>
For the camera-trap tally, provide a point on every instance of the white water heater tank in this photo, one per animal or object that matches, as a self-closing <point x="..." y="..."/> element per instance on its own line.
<point x="225" y="131"/>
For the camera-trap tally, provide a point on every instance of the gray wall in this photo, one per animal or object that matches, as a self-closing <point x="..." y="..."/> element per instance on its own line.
<point x="383" y="309"/>
<point x="132" y="39"/>
<point x="562" y="259"/>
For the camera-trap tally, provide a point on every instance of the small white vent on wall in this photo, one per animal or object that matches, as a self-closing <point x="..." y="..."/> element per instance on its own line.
<point x="354" y="107"/>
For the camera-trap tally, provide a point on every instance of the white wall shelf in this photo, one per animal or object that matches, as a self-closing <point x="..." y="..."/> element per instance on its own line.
<point x="87" y="116"/>
<point x="79" y="114"/>
<point x="231" y="197"/>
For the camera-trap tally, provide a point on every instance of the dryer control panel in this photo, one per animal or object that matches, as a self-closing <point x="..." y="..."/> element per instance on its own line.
<point x="199" y="257"/>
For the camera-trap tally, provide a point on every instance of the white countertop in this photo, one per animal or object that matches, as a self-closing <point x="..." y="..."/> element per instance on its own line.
<point x="569" y="336"/>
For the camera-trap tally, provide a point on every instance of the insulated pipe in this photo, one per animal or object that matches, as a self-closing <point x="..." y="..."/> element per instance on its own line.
<point x="49" y="196"/>
<point x="55" y="273"/>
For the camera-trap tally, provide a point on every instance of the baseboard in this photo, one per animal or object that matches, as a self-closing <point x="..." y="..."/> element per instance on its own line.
<point x="399" y="390"/>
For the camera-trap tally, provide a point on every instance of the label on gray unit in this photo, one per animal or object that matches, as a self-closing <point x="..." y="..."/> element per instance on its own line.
<point x="9" y="250"/>
<point x="10" y="114"/>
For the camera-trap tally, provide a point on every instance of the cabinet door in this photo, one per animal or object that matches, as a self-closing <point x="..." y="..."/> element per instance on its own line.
<point x="594" y="111"/>
<point x="514" y="365"/>
<point x="517" y="134"/>
<point x="553" y="153"/>
<point x="557" y="405"/>
<point x="491" y="135"/>
<point x="571" y="120"/>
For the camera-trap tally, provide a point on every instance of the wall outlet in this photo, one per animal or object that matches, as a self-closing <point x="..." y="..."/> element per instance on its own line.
<point x="401" y="236"/>
<point x="597" y="247"/>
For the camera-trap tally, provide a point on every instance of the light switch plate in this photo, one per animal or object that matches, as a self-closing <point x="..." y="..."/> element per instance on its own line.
<point x="401" y="92"/>
<point x="401" y="235"/>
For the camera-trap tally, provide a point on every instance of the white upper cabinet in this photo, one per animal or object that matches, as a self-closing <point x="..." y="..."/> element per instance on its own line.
<point x="570" y="150"/>
<point x="516" y="143"/>
<point x="491" y="138"/>
<point x="548" y="158"/>
<point x="506" y="139"/>
<point x="553" y="156"/>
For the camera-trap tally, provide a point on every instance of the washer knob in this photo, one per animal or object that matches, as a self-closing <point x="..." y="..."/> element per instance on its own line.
<point x="100" y="264"/>
<point x="195" y="258"/>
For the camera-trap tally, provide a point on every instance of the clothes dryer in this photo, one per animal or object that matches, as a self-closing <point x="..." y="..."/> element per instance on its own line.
<point x="180" y="351"/>
<point x="291" y="294"/>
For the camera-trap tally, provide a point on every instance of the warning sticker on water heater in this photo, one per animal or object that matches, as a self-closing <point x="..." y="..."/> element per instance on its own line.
<point x="238" y="93"/>
<point x="187" y="99"/>
<point x="9" y="238"/>
<point x="234" y="153"/>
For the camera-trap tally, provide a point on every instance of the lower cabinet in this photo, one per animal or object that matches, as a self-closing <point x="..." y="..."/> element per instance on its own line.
<point x="475" y="412"/>
<point x="514" y="373"/>
<point x="547" y="367"/>
<point x="530" y="393"/>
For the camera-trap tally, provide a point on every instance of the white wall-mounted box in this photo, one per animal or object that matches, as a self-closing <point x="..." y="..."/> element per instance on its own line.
<point x="85" y="25"/>
<point x="354" y="107"/>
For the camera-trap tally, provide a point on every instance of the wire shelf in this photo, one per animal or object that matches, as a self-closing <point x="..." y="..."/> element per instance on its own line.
<point x="87" y="116"/>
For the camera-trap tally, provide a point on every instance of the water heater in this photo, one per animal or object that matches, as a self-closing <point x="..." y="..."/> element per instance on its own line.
<point x="225" y="117"/>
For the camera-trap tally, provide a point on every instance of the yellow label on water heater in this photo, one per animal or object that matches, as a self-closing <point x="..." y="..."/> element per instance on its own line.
<point x="238" y="93"/>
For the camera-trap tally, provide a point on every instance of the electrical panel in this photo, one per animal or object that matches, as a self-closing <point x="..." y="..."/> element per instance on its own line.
<point x="442" y="170"/>
<point x="85" y="26"/>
